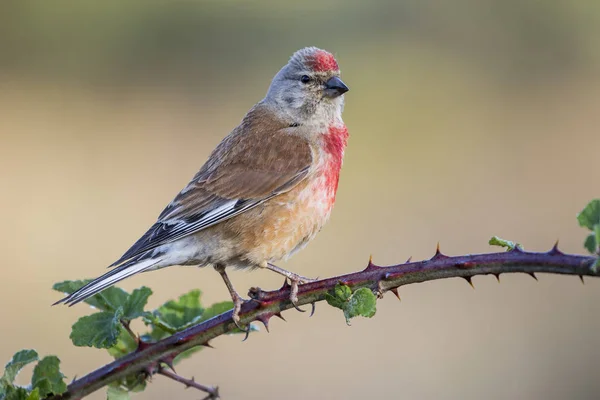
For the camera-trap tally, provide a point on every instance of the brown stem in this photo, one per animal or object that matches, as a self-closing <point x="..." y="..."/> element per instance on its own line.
<point x="378" y="279"/>
<point x="213" y="392"/>
<point x="127" y="325"/>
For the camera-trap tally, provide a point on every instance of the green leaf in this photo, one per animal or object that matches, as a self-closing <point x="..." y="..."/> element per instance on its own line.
<point x="18" y="361"/>
<point x="175" y="315"/>
<point x="34" y="395"/>
<point x="159" y="328"/>
<point x="135" y="382"/>
<point x="109" y="299"/>
<point x="47" y="377"/>
<point x="43" y="385"/>
<point x="100" y="330"/>
<point x="216" y="309"/>
<point x="496" y="241"/>
<point x="15" y="393"/>
<point x="590" y="243"/>
<point x="360" y="303"/>
<point x="590" y="215"/>
<point x="133" y="307"/>
<point x="116" y="393"/>
<point x="341" y="294"/>
<point x="189" y="300"/>
<point x="125" y="344"/>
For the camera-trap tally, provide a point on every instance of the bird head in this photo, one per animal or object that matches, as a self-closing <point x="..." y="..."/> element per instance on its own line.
<point x="308" y="89"/>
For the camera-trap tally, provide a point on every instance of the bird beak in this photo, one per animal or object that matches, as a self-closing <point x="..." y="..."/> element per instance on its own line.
<point x="334" y="87"/>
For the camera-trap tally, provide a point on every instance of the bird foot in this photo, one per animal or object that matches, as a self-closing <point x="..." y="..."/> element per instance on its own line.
<point x="295" y="282"/>
<point x="238" y="301"/>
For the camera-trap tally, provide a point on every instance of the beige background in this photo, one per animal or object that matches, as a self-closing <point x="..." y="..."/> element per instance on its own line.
<point x="467" y="120"/>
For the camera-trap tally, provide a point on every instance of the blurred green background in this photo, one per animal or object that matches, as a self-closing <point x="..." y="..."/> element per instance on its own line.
<point x="467" y="118"/>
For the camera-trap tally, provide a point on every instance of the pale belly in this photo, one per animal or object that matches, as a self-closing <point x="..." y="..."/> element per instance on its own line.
<point x="285" y="224"/>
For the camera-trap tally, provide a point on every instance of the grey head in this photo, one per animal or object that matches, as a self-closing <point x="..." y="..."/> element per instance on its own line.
<point x="308" y="89"/>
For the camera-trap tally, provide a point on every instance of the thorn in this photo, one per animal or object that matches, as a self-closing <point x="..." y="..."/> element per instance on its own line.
<point x="409" y="260"/>
<point x="141" y="345"/>
<point x="438" y="254"/>
<point x="286" y="285"/>
<point x="395" y="291"/>
<point x="532" y="275"/>
<point x="297" y="307"/>
<point x="149" y="371"/>
<point x="169" y="363"/>
<point x="245" y="337"/>
<point x="581" y="278"/>
<point x="554" y="250"/>
<point x="312" y="309"/>
<point x="187" y="385"/>
<point x="278" y="314"/>
<point x="497" y="277"/>
<point x="207" y="344"/>
<point x="517" y="248"/>
<point x="468" y="279"/>
<point x="265" y="320"/>
<point x="370" y="265"/>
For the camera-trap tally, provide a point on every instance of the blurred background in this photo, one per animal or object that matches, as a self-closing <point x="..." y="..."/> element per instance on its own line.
<point x="467" y="118"/>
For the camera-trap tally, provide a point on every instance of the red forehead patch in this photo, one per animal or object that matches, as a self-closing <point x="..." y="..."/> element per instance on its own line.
<point x="324" y="61"/>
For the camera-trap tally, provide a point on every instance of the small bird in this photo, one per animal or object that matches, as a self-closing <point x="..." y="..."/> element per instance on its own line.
<point x="265" y="191"/>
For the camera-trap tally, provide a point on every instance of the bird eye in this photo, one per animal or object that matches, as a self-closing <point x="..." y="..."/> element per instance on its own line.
<point x="305" y="79"/>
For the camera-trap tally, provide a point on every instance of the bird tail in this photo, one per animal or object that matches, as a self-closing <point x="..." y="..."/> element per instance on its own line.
<point x="110" y="278"/>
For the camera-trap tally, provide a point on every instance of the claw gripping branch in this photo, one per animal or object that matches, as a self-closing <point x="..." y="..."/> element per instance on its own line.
<point x="379" y="279"/>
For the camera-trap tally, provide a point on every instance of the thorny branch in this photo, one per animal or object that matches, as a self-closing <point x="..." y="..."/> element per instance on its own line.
<point x="213" y="392"/>
<point x="150" y="356"/>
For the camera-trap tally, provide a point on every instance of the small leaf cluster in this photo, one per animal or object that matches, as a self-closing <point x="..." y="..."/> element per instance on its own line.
<point x="108" y="327"/>
<point x="46" y="380"/>
<point x="497" y="241"/>
<point x="589" y="218"/>
<point x="360" y="303"/>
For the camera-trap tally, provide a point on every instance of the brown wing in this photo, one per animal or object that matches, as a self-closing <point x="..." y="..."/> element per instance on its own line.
<point x="260" y="159"/>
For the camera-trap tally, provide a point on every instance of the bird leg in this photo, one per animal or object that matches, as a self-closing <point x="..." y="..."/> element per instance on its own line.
<point x="295" y="280"/>
<point x="235" y="297"/>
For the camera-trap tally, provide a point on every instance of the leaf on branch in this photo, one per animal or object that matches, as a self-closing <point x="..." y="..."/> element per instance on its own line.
<point x="497" y="241"/>
<point x="216" y="309"/>
<point x="360" y="303"/>
<point x="116" y="393"/>
<point x="135" y="382"/>
<point x="100" y="330"/>
<point x="18" y="361"/>
<point x="47" y="377"/>
<point x="212" y="311"/>
<point x="590" y="215"/>
<point x="175" y="315"/>
<point x="341" y="294"/>
<point x="125" y="344"/>
<point x="110" y="299"/>
<point x="15" y="393"/>
<point x="590" y="243"/>
<point x="34" y="395"/>
<point x="133" y="306"/>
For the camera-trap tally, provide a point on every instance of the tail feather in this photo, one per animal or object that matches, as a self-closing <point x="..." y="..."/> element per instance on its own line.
<point x="108" y="279"/>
